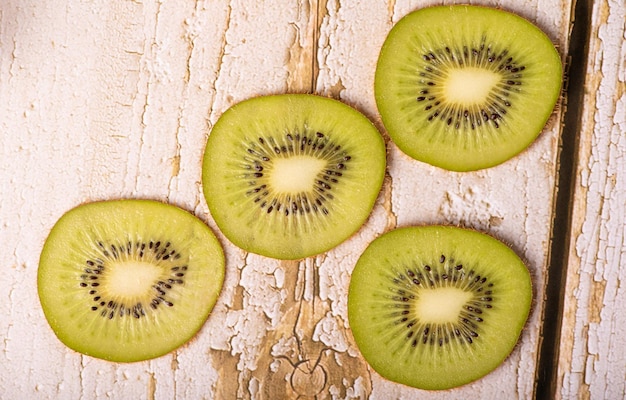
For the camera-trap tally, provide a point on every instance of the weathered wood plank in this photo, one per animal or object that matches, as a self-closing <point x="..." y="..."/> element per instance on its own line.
<point x="593" y="348"/>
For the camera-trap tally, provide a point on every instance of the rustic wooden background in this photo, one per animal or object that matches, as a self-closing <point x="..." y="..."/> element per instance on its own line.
<point x="108" y="99"/>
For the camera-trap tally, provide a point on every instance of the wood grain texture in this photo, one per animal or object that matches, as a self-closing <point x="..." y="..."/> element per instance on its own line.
<point x="111" y="99"/>
<point x="593" y="352"/>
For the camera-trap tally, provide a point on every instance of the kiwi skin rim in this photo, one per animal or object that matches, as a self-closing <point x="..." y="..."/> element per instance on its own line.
<point x="66" y="303"/>
<point x="384" y="342"/>
<point x="405" y="119"/>
<point x="241" y="125"/>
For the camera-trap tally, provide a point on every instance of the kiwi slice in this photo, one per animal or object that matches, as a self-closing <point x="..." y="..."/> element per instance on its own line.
<point x="128" y="280"/>
<point x="436" y="307"/>
<point x="293" y="175"/>
<point x="466" y="87"/>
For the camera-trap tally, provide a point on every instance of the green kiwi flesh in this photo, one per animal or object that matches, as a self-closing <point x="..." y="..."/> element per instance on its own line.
<point x="293" y="175"/>
<point x="436" y="307"/>
<point x="466" y="87"/>
<point x="129" y="280"/>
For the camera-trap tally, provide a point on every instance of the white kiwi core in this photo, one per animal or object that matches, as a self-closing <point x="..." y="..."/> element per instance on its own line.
<point x="131" y="279"/>
<point x="470" y="85"/>
<point x="441" y="305"/>
<point x="295" y="174"/>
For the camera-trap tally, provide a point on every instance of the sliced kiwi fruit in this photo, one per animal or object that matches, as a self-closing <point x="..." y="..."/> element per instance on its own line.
<point x="293" y="175"/>
<point x="129" y="280"/>
<point x="436" y="307"/>
<point x="466" y="87"/>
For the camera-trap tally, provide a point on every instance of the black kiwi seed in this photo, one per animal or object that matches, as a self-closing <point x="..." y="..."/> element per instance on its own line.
<point x="157" y="252"/>
<point x="407" y="286"/>
<point x="485" y="57"/>
<point x="317" y="144"/>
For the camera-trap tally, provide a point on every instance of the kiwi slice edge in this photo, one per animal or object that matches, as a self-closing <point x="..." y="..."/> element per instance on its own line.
<point x="466" y="87"/>
<point x="129" y="280"/>
<point x="290" y="176"/>
<point x="437" y="307"/>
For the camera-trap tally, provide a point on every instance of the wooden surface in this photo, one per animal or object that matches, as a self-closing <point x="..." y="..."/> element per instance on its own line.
<point x="593" y="352"/>
<point x="115" y="99"/>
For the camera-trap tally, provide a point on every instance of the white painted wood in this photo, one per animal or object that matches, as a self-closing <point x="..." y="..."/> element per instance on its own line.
<point x="593" y="352"/>
<point x="111" y="99"/>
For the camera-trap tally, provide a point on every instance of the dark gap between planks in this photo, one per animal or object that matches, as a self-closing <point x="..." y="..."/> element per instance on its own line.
<point x="574" y="91"/>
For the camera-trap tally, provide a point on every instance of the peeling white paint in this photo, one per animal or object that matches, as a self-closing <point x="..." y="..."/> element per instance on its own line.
<point x="327" y="331"/>
<point x="470" y="208"/>
<point x="595" y="361"/>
